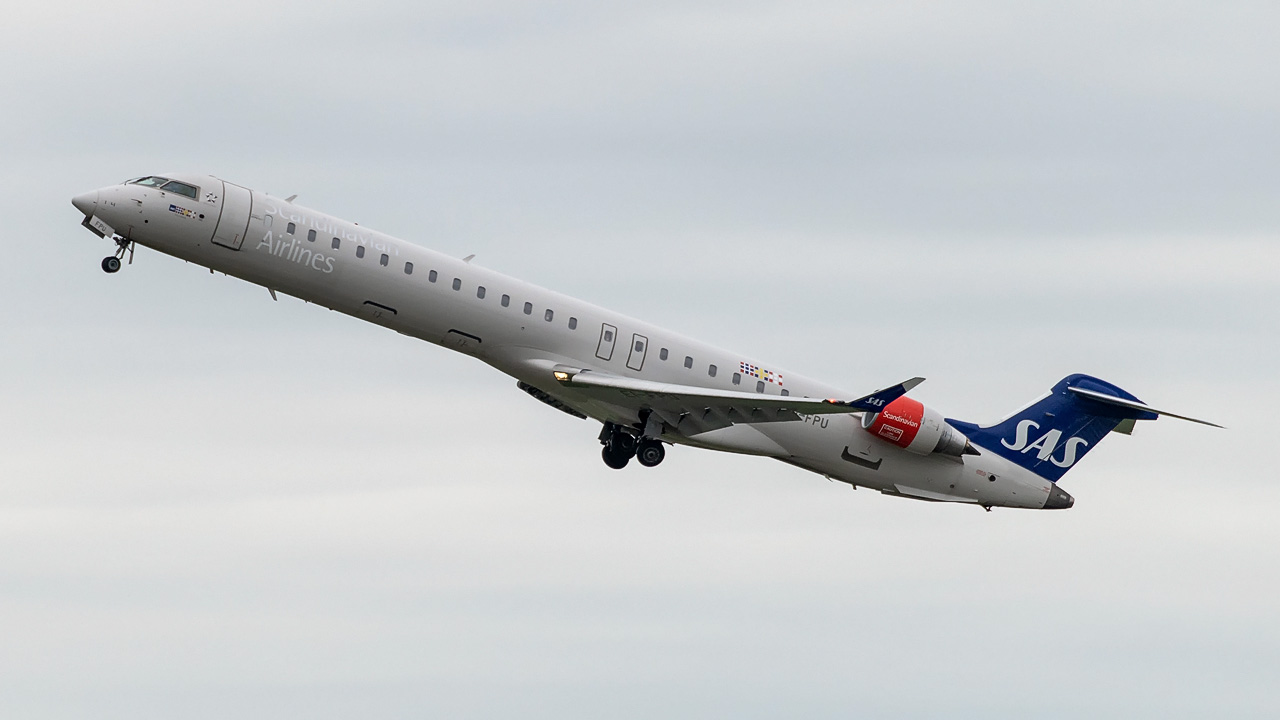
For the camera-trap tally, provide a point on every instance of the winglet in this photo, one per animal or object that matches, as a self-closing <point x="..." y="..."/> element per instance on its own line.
<point x="876" y="401"/>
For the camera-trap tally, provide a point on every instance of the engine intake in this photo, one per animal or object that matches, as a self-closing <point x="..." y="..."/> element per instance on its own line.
<point x="915" y="428"/>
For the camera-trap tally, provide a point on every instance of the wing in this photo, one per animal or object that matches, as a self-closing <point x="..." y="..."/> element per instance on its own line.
<point x="690" y="410"/>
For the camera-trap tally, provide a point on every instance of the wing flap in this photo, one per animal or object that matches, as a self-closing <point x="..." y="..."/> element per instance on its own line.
<point x="697" y="409"/>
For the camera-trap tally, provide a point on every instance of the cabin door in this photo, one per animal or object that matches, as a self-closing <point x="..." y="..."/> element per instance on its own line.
<point x="233" y="223"/>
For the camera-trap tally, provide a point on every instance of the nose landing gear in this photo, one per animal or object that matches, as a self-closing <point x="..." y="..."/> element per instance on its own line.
<point x="111" y="263"/>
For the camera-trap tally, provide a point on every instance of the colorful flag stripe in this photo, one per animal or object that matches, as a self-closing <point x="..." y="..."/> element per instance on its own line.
<point x="759" y="373"/>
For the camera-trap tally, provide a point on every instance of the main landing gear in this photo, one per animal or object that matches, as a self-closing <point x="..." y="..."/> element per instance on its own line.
<point x="111" y="263"/>
<point x="650" y="452"/>
<point x="620" y="445"/>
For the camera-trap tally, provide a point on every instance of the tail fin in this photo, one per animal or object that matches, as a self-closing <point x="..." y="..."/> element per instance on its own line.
<point x="1051" y="434"/>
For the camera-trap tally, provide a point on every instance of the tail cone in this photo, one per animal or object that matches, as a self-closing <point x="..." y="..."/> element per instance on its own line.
<point x="1059" y="499"/>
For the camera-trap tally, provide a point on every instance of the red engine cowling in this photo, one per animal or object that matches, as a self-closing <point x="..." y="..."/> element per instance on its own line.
<point x="910" y="425"/>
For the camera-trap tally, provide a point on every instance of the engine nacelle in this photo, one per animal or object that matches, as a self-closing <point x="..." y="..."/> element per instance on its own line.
<point x="910" y="425"/>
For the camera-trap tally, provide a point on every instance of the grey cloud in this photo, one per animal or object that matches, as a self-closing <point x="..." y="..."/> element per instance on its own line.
<point x="219" y="505"/>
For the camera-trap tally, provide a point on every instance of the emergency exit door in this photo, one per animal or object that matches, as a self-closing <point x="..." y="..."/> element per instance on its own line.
<point x="608" y="338"/>
<point x="639" y="346"/>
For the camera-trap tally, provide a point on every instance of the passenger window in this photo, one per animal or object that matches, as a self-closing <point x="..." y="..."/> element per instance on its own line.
<point x="408" y="268"/>
<point x="548" y="315"/>
<point x="528" y="308"/>
<point x="506" y="301"/>
<point x="311" y="235"/>
<point x="291" y="228"/>
<point x="384" y="260"/>
<point x="662" y="354"/>
<point x="711" y="371"/>
<point x="480" y="292"/>
<point x="336" y="243"/>
<point x="431" y="276"/>
<point x="688" y="362"/>
<point x="737" y="378"/>
<point x="785" y="392"/>
<point x="608" y="336"/>
<point x="181" y="188"/>
<point x="759" y="386"/>
<point x="639" y="346"/>
<point x="573" y="323"/>
<point x="457" y="283"/>
<point x="359" y="249"/>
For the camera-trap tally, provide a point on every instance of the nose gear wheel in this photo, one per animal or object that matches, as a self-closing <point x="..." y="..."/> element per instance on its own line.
<point x="111" y="263"/>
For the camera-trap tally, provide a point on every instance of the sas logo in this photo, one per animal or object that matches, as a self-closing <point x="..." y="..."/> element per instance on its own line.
<point x="1046" y="444"/>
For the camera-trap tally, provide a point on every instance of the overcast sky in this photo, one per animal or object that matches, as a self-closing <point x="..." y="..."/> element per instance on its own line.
<point x="214" y="505"/>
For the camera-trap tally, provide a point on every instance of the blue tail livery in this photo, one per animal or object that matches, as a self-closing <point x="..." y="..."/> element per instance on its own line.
<point x="1050" y="435"/>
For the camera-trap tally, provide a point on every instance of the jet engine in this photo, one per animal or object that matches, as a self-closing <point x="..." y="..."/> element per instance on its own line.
<point x="910" y="425"/>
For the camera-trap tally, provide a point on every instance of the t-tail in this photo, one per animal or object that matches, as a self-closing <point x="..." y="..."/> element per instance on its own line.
<point x="1049" y="436"/>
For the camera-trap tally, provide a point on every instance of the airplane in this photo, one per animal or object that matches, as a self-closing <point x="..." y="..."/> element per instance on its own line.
<point x="647" y="386"/>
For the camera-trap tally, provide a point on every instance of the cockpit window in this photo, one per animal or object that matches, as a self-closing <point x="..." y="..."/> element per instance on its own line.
<point x="180" y="188"/>
<point x="150" y="181"/>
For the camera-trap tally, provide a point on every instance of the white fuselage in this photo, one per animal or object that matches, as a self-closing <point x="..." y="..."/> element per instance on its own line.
<point x="524" y="331"/>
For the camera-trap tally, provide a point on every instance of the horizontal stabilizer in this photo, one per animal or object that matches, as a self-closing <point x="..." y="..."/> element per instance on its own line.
<point x="1134" y="405"/>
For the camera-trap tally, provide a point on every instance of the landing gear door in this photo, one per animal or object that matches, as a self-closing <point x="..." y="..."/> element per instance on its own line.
<point x="608" y="338"/>
<point x="639" y="346"/>
<point x="233" y="223"/>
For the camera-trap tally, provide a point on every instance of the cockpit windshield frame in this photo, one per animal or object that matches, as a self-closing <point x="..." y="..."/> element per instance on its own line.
<point x="178" y="187"/>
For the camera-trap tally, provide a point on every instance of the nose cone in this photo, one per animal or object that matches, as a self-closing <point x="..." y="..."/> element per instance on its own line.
<point x="86" y="203"/>
<point x="1059" y="499"/>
